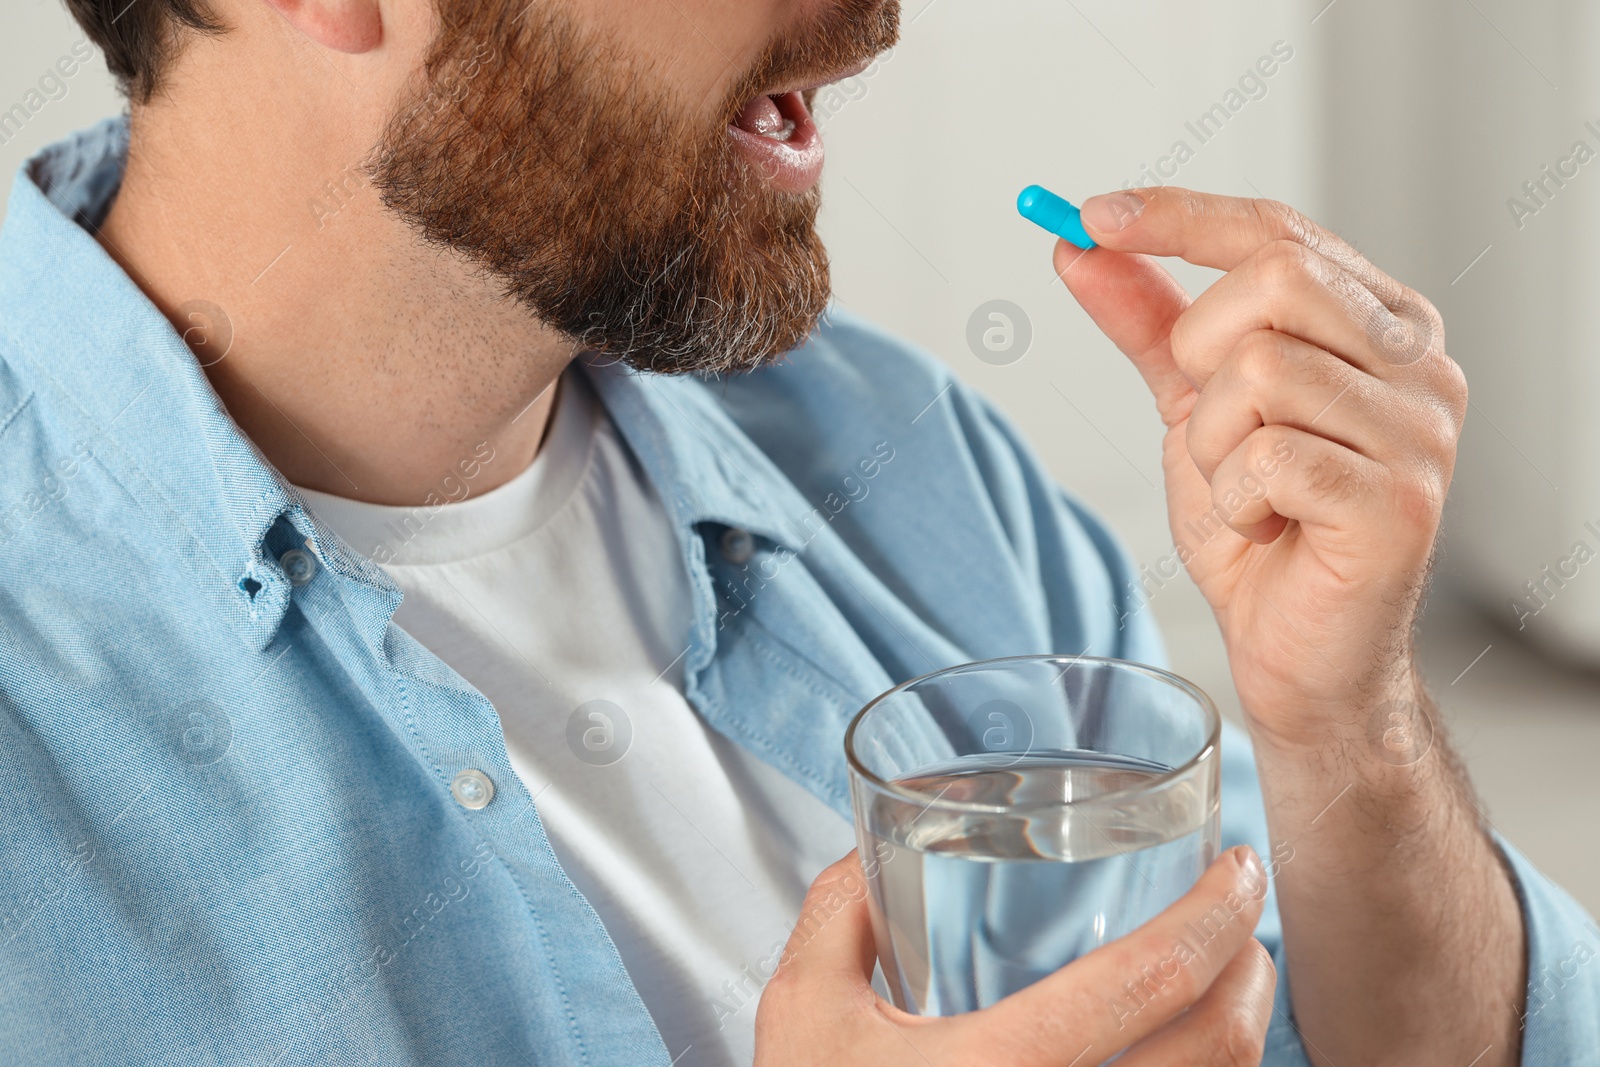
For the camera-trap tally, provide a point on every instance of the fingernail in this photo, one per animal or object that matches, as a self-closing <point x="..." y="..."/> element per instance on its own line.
<point x="1249" y="862"/>
<point x="1110" y="212"/>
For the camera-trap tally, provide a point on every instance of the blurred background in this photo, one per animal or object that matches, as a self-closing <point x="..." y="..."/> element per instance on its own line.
<point x="1451" y="142"/>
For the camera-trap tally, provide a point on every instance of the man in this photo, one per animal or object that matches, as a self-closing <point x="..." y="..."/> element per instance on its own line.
<point x="304" y="335"/>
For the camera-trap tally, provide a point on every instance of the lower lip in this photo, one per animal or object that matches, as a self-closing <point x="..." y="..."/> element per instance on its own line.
<point x="792" y="166"/>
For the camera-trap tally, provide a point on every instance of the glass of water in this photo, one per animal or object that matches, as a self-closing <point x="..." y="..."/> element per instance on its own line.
<point x="1015" y="814"/>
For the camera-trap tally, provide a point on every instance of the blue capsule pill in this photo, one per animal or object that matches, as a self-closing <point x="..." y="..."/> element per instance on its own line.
<point x="1049" y="212"/>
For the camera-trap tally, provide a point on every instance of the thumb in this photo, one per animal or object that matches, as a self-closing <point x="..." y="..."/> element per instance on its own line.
<point x="1134" y="301"/>
<point x="832" y="938"/>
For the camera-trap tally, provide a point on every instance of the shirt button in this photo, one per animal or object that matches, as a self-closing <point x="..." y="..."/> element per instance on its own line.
<point x="472" y="789"/>
<point x="298" y="565"/>
<point x="737" y="545"/>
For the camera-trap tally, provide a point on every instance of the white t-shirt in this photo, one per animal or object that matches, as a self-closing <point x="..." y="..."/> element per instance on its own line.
<point x="562" y="596"/>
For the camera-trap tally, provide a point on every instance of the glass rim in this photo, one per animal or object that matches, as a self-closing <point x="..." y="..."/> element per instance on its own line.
<point x="1210" y="746"/>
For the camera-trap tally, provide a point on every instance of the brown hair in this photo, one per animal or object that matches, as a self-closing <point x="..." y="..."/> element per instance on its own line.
<point x="139" y="37"/>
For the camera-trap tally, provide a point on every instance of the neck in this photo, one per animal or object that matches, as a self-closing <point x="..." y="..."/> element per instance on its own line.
<point x="363" y="361"/>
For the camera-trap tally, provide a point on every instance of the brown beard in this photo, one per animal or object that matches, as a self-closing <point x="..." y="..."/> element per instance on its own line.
<point x="604" y="205"/>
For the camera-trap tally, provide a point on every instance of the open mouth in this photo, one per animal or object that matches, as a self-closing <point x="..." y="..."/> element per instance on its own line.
<point x="778" y="136"/>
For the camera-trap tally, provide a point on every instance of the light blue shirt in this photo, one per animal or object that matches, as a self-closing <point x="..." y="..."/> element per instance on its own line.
<point x="229" y="835"/>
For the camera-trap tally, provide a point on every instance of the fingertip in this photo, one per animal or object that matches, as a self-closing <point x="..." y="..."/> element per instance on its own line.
<point x="1067" y="255"/>
<point x="1108" y="214"/>
<point x="1266" y="531"/>
<point x="1248" y="861"/>
<point x="1261" y="957"/>
<point x="840" y="869"/>
<point x="1253" y="881"/>
<point x="1257" y="973"/>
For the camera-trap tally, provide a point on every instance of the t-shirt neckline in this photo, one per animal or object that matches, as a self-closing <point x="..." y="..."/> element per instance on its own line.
<point x="460" y="524"/>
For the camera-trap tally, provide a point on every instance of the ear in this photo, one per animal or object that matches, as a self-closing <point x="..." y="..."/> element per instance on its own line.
<point x="352" y="26"/>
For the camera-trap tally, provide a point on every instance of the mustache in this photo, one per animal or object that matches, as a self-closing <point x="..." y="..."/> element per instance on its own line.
<point x="848" y="33"/>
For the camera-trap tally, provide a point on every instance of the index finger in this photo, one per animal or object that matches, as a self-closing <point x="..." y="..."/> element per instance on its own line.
<point x="1217" y="231"/>
<point x="1126" y="990"/>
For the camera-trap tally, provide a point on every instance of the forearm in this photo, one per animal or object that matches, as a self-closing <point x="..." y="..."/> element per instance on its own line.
<point x="1402" y="930"/>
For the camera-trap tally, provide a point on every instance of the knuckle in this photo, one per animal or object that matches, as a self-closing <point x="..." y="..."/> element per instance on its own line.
<point x="1269" y="443"/>
<point x="1275" y="216"/>
<point x="1137" y="949"/>
<point x="1260" y="359"/>
<point x="1453" y="391"/>
<point x="1186" y="202"/>
<point x="1423" y="430"/>
<point x="1169" y="974"/>
<point x="1442" y="434"/>
<point x="1182" y="979"/>
<point x="1413" y="328"/>
<point x="1283" y="222"/>
<point x="1286" y="266"/>
<point x="1187" y="986"/>
<point x="1203" y="453"/>
<point x="1418" y="500"/>
<point x="1182" y="337"/>
<point x="1391" y="293"/>
<point x="1422" y="309"/>
<point x="1435" y="326"/>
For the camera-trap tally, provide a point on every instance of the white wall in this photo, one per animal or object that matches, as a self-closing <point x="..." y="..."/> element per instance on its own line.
<point x="1433" y="126"/>
<point x="39" y="33"/>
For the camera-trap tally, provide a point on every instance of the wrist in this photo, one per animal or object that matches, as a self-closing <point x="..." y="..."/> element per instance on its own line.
<point x="1388" y="718"/>
<point x="1375" y="777"/>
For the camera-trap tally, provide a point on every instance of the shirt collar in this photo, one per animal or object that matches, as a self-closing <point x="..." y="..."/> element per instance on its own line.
<point x="118" y="377"/>
<point x="122" y="378"/>
<point x="705" y="468"/>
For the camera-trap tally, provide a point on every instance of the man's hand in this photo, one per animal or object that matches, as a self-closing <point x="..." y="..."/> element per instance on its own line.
<point x="1312" y="418"/>
<point x="820" y="1010"/>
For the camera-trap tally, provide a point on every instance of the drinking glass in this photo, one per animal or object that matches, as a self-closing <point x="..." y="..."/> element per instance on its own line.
<point x="1016" y="813"/>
